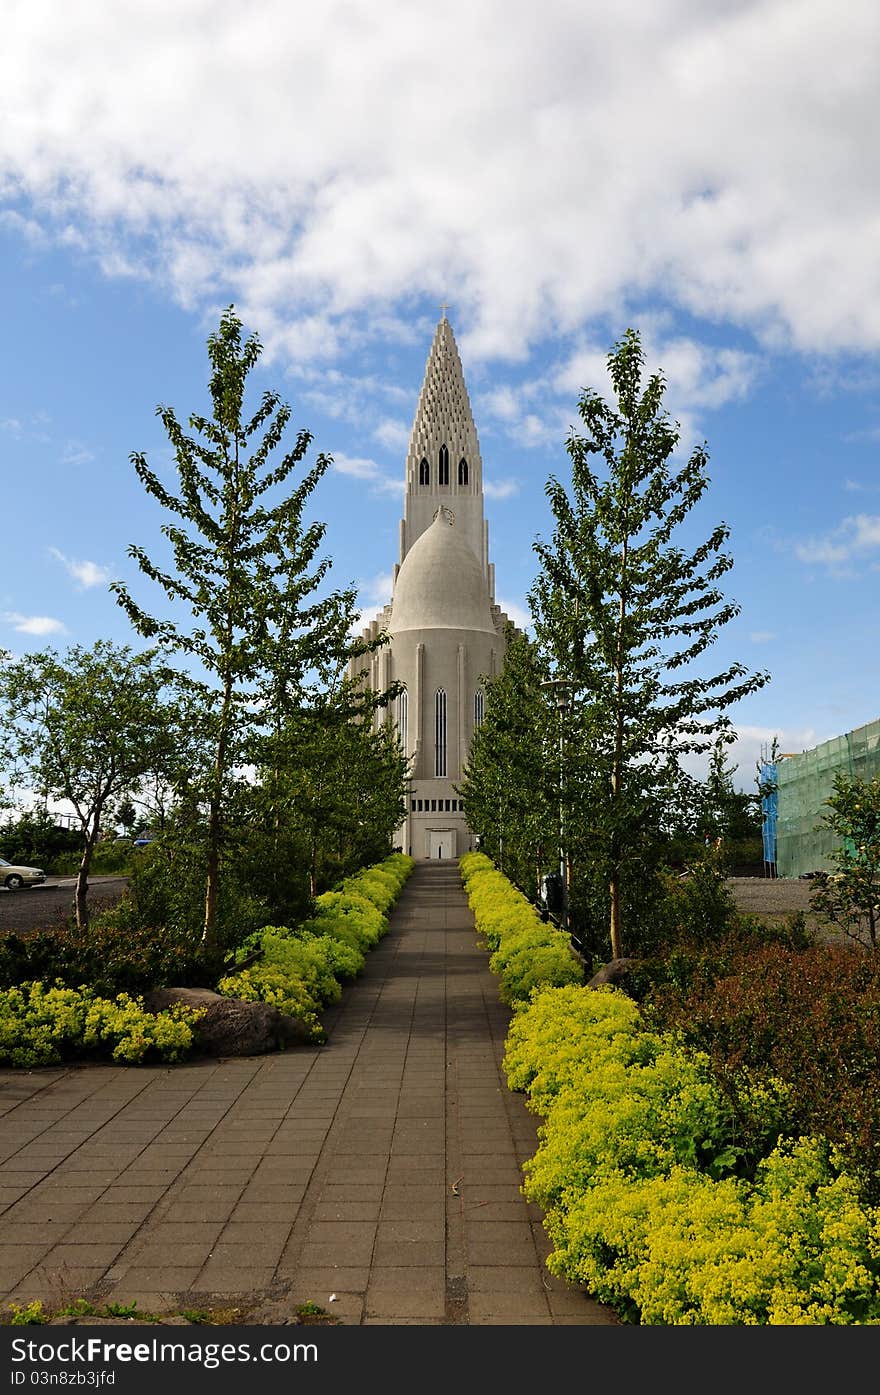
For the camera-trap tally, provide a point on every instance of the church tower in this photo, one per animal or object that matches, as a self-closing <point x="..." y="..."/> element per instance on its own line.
<point x="447" y="633"/>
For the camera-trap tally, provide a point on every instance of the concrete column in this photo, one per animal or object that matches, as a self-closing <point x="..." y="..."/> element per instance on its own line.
<point x="462" y="707"/>
<point x="416" y="717"/>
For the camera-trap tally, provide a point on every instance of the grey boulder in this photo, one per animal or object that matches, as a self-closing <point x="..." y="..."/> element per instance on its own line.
<point x="231" y="1026"/>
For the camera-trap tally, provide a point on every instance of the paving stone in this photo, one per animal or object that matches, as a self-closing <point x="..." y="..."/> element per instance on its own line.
<point x="265" y="1213"/>
<point x="343" y="1211"/>
<point x="322" y="1168"/>
<point x="160" y="1277"/>
<point x="340" y="1278"/>
<point x="230" y="1279"/>
<point x="326" y="1256"/>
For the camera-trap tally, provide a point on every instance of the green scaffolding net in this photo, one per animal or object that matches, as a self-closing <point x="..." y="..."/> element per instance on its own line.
<point x="804" y="783"/>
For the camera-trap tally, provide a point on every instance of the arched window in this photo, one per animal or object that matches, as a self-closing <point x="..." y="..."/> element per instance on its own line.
<point x="478" y="708"/>
<point x="402" y="716"/>
<point x="443" y="470"/>
<point x="440" y="732"/>
<point x="462" y="471"/>
<point x="424" y="471"/>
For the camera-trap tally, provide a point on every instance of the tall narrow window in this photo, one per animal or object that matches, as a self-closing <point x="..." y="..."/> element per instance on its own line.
<point x="402" y="715"/>
<point x="440" y="732"/>
<point x="443" y="468"/>
<point x="424" y="471"/>
<point x="478" y="708"/>
<point x="462" y="471"/>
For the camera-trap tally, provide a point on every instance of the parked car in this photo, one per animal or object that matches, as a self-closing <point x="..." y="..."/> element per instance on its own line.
<point x="14" y="877"/>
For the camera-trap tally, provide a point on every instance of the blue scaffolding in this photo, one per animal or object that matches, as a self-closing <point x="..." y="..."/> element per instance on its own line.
<point x="769" y="813"/>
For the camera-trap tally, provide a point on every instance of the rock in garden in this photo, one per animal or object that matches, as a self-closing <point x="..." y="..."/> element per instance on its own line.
<point x="230" y="1026"/>
<point x="614" y="972"/>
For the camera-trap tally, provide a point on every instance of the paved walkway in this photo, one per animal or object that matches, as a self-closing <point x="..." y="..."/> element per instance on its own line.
<point x="383" y="1167"/>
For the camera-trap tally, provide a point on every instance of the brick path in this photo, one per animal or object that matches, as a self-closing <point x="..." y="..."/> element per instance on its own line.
<point x="383" y="1167"/>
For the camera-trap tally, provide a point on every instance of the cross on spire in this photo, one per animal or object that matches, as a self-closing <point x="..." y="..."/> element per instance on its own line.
<point x="444" y="307"/>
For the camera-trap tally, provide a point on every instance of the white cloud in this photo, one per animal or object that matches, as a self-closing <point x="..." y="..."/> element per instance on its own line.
<point x="859" y="487"/>
<point x="362" y="468"/>
<point x="714" y="154"/>
<point x="518" y="613"/>
<point x="762" y="636"/>
<point x="33" y="624"/>
<point x="28" y="228"/>
<point x="375" y="594"/>
<point x="855" y="537"/>
<point x="869" y="434"/>
<point x="75" y="453"/>
<point x="393" y="435"/>
<point x="500" y="489"/>
<point x="85" y="573"/>
<point x="753" y="744"/>
<point x="699" y="378"/>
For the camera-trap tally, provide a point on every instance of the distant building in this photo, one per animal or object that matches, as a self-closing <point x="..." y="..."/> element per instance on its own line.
<point x="804" y="782"/>
<point x="447" y="633"/>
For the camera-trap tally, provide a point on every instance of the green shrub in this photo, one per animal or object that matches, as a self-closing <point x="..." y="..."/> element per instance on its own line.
<point x="797" y="1248"/>
<point x="533" y="957"/>
<point x="525" y="950"/>
<point x="348" y="916"/>
<point x="656" y="1196"/>
<point x="41" y="1025"/>
<point x="107" y="959"/>
<point x="271" y="983"/>
<point x="109" y="857"/>
<point x="300" y="967"/>
<point x="809" y="1017"/>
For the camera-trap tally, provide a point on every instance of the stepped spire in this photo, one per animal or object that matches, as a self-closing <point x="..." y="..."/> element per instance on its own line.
<point x="443" y="465"/>
<point x="443" y="414"/>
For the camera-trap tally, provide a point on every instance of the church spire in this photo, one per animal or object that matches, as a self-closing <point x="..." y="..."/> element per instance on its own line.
<point x="443" y="465"/>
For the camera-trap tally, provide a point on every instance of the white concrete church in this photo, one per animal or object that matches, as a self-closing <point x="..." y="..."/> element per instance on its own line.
<point x="447" y="633"/>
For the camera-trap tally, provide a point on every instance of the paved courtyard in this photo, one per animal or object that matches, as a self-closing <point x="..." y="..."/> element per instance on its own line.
<point x="382" y="1168"/>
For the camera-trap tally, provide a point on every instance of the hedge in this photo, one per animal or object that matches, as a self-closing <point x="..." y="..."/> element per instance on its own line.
<point x="651" y="1201"/>
<point x="43" y="1024"/>
<point x="300" y="967"/>
<point x="526" y="951"/>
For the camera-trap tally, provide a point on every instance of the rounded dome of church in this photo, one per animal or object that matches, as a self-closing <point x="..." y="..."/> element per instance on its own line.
<point x="441" y="584"/>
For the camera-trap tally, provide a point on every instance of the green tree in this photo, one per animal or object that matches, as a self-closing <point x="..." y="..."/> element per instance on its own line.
<point x="729" y="813"/>
<point x="510" y="781"/>
<point x="126" y="814"/>
<point x="850" y="896"/>
<point x="622" y="611"/>
<point x="86" y="728"/>
<point x="246" y="568"/>
<point x="340" y="786"/>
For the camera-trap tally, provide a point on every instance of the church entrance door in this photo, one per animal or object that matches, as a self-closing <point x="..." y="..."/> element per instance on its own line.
<point x="441" y="842"/>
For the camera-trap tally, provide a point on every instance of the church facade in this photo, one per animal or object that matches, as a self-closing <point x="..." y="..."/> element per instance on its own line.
<point x="447" y="632"/>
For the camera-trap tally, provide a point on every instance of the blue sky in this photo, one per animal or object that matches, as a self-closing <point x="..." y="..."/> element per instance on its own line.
<point x="705" y="174"/>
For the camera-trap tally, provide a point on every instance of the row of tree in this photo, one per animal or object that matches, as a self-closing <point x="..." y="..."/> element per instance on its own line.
<point x="578" y="764"/>
<point x="237" y="732"/>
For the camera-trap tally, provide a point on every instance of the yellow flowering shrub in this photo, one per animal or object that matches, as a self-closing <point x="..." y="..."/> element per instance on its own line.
<point x="650" y="1199"/>
<point x="300" y="968"/>
<point x="43" y="1024"/>
<point x="347" y="916"/>
<point x="525" y="950"/>
<point x="271" y="983"/>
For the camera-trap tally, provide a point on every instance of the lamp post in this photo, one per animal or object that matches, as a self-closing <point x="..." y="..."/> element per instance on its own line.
<point x="560" y="689"/>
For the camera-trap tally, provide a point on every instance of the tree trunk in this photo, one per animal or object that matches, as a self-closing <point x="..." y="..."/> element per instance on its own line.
<point x="209" y="933"/>
<point x="80" y="895"/>
<point x="616" y="936"/>
<point x="616" y="927"/>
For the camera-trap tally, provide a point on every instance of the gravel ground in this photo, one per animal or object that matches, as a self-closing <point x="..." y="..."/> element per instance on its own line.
<point x="41" y="907"/>
<point x="769" y="898"/>
<point x="774" y="898"/>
